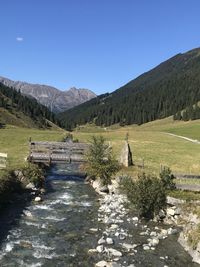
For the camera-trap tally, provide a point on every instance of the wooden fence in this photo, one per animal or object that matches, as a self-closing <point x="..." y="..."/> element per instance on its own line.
<point x="3" y="160"/>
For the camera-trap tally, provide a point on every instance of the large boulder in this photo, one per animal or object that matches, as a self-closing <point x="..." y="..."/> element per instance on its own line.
<point x="126" y="155"/>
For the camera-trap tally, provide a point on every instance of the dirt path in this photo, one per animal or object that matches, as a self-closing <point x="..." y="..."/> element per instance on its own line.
<point x="185" y="138"/>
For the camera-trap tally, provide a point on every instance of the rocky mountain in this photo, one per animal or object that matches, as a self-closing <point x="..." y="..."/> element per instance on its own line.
<point x="53" y="98"/>
<point x="161" y="92"/>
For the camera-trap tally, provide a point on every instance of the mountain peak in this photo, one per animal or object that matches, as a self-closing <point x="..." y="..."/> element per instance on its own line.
<point x="55" y="99"/>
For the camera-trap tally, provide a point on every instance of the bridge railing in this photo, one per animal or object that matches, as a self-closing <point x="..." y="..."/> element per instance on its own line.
<point x="53" y="152"/>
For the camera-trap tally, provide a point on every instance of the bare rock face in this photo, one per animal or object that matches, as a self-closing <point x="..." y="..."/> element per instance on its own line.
<point x="56" y="100"/>
<point x="126" y="155"/>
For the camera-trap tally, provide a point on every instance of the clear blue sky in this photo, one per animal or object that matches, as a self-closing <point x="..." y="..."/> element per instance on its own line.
<point x="95" y="44"/>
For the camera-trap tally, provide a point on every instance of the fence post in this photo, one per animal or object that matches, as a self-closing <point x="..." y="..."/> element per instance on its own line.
<point x="143" y="164"/>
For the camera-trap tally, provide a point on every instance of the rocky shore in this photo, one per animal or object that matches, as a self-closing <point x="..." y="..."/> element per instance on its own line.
<point x="116" y="240"/>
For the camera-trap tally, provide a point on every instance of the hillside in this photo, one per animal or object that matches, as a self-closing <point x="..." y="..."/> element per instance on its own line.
<point x="161" y="92"/>
<point x="19" y="110"/>
<point x="56" y="100"/>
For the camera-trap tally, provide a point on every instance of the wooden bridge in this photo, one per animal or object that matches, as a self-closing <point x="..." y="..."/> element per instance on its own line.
<point x="57" y="152"/>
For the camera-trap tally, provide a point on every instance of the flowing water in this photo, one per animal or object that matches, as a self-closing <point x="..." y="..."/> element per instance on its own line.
<point x="59" y="231"/>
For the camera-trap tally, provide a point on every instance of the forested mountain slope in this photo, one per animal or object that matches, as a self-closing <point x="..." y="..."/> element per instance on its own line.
<point x="163" y="91"/>
<point x="20" y="110"/>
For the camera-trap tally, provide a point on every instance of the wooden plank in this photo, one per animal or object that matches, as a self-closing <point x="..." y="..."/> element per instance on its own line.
<point x="3" y="155"/>
<point x="3" y="160"/>
<point x="57" y="151"/>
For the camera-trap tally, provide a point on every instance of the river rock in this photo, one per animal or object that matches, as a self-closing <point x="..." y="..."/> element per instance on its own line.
<point x="177" y="211"/>
<point x="38" y="199"/>
<point x="171" y="211"/>
<point x="99" y="248"/>
<point x="174" y="201"/>
<point x="128" y="247"/>
<point x="104" y="189"/>
<point x="153" y="233"/>
<point x="172" y="231"/>
<point x="102" y="264"/>
<point x="93" y="230"/>
<point x="114" y="264"/>
<point x="96" y="184"/>
<point x="114" y="252"/>
<point x="92" y="251"/>
<point x="101" y="241"/>
<point x="109" y="241"/>
<point x="30" y="186"/>
<point x="27" y="213"/>
<point x="162" y="214"/>
<point x="146" y="247"/>
<point x="154" y="242"/>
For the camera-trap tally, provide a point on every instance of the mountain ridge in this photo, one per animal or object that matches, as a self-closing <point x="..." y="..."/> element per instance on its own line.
<point x="49" y="96"/>
<point x="158" y="93"/>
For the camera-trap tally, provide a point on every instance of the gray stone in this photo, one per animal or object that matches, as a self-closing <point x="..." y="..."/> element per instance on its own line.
<point x="30" y="186"/>
<point x="146" y="247"/>
<point x="154" y="242"/>
<point x="99" y="248"/>
<point x="109" y="241"/>
<point x="104" y="189"/>
<point x="27" y="213"/>
<point x="162" y="214"/>
<point x="114" y="252"/>
<point x="126" y="155"/>
<point x="172" y="231"/>
<point x="101" y="264"/>
<point x="101" y="241"/>
<point x="170" y="211"/>
<point x="38" y="199"/>
<point x="92" y="251"/>
<point x="128" y="247"/>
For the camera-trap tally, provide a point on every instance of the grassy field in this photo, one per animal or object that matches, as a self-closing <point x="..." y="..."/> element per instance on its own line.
<point x="151" y="143"/>
<point x="15" y="142"/>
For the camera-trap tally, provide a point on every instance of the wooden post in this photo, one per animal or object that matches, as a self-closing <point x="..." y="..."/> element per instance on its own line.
<point x="50" y="156"/>
<point x="161" y="168"/>
<point x="143" y="164"/>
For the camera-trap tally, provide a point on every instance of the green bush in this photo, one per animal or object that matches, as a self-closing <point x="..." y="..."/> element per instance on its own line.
<point x="34" y="174"/>
<point x="101" y="162"/>
<point x="147" y="194"/>
<point x="167" y="179"/>
<point x="9" y="184"/>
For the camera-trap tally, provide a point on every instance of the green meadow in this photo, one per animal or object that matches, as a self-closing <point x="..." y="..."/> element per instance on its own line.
<point x="15" y="142"/>
<point x="150" y="143"/>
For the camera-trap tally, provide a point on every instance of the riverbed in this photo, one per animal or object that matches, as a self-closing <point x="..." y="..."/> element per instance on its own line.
<point x="61" y="230"/>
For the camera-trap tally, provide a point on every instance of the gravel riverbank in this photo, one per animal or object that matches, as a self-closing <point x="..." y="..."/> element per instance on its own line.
<point x="129" y="241"/>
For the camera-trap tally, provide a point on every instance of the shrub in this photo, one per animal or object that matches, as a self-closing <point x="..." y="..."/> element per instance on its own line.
<point x="34" y="174"/>
<point x="167" y="179"/>
<point x="9" y="184"/>
<point x="147" y="194"/>
<point x="101" y="162"/>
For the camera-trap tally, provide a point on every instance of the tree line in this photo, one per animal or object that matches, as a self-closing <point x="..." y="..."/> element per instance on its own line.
<point x="12" y="99"/>
<point x="170" y="87"/>
<point x="190" y="113"/>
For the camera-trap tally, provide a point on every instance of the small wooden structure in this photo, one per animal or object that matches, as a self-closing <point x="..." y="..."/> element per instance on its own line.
<point x="3" y="160"/>
<point x="57" y="152"/>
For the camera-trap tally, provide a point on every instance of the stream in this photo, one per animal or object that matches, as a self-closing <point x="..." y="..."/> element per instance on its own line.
<point x="59" y="231"/>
